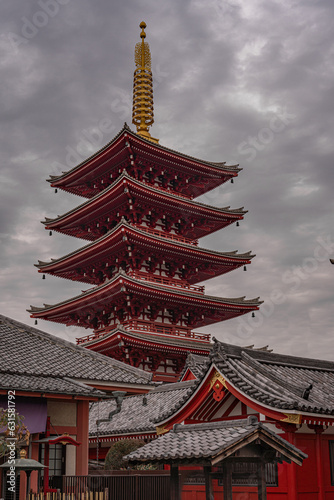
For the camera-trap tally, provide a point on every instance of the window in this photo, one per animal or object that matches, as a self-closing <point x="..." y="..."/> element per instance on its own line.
<point x="56" y="459"/>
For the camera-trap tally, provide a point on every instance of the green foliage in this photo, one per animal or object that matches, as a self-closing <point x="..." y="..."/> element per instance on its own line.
<point x="114" y="459"/>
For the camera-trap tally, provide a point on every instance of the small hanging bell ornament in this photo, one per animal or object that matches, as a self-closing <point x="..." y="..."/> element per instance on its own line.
<point x="50" y="233"/>
<point x="237" y="224"/>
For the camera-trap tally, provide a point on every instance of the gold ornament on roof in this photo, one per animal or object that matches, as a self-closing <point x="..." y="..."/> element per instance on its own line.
<point x="142" y="110"/>
<point x="292" y="418"/>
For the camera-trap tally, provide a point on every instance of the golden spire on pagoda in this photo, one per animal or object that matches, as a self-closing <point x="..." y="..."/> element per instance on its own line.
<point x="142" y="110"/>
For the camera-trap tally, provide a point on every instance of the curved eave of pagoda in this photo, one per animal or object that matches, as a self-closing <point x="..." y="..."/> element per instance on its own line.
<point x="129" y="145"/>
<point x="167" y="343"/>
<point x="75" y="264"/>
<point x="119" y="195"/>
<point x="99" y="298"/>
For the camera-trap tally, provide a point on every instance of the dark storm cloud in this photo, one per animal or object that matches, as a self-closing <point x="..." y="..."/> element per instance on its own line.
<point x="248" y="83"/>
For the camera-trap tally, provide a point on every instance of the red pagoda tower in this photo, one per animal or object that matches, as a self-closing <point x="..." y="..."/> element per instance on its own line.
<point x="143" y="259"/>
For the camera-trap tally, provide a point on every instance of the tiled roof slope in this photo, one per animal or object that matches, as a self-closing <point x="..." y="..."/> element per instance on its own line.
<point x="137" y="412"/>
<point x="203" y="441"/>
<point x="197" y="362"/>
<point x="30" y="352"/>
<point x="278" y="381"/>
<point x="54" y="385"/>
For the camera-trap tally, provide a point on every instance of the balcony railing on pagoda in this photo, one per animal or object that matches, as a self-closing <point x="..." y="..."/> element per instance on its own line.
<point x="149" y="327"/>
<point x="168" y="236"/>
<point x="170" y="190"/>
<point x="164" y="280"/>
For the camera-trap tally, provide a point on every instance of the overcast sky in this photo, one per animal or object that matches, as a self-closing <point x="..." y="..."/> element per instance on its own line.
<point x="242" y="82"/>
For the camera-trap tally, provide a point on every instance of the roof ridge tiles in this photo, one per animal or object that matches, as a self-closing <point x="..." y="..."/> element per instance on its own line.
<point x="268" y="357"/>
<point x="173" y="386"/>
<point x="242" y="422"/>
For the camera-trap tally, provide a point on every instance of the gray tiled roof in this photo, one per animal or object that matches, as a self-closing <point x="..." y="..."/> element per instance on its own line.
<point x="276" y="380"/>
<point x="203" y="441"/>
<point x="54" y="385"/>
<point x="137" y="412"/>
<point x="27" y="351"/>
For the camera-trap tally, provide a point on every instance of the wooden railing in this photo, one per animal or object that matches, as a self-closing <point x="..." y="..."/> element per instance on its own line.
<point x="168" y="236"/>
<point x="163" y="280"/>
<point x="93" y="336"/>
<point x="83" y="495"/>
<point x="119" y="485"/>
<point x="151" y="327"/>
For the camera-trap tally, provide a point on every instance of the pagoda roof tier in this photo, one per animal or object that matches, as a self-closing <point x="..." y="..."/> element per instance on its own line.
<point x="134" y="200"/>
<point x="104" y="342"/>
<point x="127" y="150"/>
<point x="91" y="263"/>
<point x="125" y="294"/>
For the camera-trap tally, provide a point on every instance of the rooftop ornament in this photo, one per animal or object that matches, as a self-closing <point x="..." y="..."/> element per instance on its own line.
<point x="142" y="110"/>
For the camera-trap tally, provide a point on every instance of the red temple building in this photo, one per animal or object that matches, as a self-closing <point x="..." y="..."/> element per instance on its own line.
<point x="142" y="259"/>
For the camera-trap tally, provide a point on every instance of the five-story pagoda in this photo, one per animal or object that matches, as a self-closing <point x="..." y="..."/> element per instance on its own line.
<point x="143" y="259"/>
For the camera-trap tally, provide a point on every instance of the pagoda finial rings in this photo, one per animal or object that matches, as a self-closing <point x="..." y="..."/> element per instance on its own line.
<point x="142" y="26"/>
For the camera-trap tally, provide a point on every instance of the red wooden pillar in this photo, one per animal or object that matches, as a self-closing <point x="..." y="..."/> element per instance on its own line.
<point x="261" y="481"/>
<point x="318" y="450"/>
<point x="23" y="485"/>
<point x="292" y="468"/>
<point x="321" y="495"/>
<point x="208" y="483"/>
<point x="82" y="436"/>
<point x="290" y="430"/>
<point x="174" y="483"/>
<point x="227" y="480"/>
<point x="34" y="475"/>
<point x="46" y="458"/>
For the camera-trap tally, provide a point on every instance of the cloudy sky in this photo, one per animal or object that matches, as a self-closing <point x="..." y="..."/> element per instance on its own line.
<point x="242" y="82"/>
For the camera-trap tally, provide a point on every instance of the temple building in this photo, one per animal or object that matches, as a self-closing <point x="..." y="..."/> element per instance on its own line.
<point x="54" y="382"/>
<point x="142" y="259"/>
<point x="293" y="397"/>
